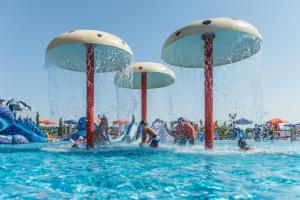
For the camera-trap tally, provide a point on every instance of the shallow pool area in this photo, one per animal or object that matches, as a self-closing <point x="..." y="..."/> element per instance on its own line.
<point x="54" y="171"/>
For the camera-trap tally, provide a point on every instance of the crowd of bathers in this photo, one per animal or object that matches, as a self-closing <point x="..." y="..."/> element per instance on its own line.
<point x="182" y="131"/>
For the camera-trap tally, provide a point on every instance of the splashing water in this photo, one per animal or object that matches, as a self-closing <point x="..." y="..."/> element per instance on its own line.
<point x="237" y="85"/>
<point x="67" y="89"/>
<point x="67" y="95"/>
<point x="237" y="89"/>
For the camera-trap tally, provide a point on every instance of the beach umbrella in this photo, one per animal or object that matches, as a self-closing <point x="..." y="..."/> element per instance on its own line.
<point x="47" y="122"/>
<point x="120" y="122"/>
<point x="70" y="122"/>
<point x="242" y="121"/>
<point x="89" y="51"/>
<point x="145" y="75"/>
<point x="277" y="121"/>
<point x="208" y="43"/>
<point x="274" y="123"/>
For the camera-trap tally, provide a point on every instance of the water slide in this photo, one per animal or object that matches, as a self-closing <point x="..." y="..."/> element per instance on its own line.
<point x="162" y="132"/>
<point x="138" y="134"/>
<point x="4" y="124"/>
<point x="6" y="118"/>
<point x="35" y="128"/>
<point x="131" y="134"/>
<point x="17" y="129"/>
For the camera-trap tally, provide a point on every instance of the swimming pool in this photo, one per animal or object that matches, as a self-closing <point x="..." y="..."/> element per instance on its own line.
<point x="53" y="171"/>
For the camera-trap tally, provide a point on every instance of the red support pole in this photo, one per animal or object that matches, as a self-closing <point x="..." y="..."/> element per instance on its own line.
<point x="90" y="96"/>
<point x="208" y="84"/>
<point x="144" y="95"/>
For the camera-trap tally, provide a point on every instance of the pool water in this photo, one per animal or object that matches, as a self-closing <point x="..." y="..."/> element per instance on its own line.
<point x="54" y="171"/>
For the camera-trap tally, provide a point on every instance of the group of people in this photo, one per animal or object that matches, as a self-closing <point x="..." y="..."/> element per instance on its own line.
<point x="262" y="133"/>
<point x="148" y="135"/>
<point x="183" y="132"/>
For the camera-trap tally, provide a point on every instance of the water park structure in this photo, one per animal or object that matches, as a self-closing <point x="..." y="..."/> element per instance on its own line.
<point x="146" y="75"/>
<point x="208" y="43"/>
<point x="89" y="51"/>
<point x="220" y="112"/>
<point x="18" y="131"/>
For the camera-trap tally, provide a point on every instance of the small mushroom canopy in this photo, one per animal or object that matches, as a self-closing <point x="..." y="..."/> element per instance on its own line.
<point x="68" y="51"/>
<point x="234" y="40"/>
<point x="158" y="75"/>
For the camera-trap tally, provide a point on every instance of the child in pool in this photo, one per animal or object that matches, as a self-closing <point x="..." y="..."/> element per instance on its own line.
<point x="75" y="144"/>
<point x="243" y="145"/>
<point x="149" y="135"/>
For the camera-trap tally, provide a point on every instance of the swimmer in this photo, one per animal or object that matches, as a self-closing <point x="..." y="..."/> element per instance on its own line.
<point x="243" y="145"/>
<point x="149" y="135"/>
<point x="75" y="144"/>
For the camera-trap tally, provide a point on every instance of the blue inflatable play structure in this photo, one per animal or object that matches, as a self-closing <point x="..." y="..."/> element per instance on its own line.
<point x="131" y="134"/>
<point x="81" y="128"/>
<point x="240" y="134"/>
<point x="18" y="131"/>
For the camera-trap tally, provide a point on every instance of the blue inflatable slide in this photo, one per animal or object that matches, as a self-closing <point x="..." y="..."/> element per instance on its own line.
<point x="18" y="131"/>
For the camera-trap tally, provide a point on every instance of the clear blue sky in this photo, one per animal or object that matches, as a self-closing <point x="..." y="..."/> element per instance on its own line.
<point x="27" y="26"/>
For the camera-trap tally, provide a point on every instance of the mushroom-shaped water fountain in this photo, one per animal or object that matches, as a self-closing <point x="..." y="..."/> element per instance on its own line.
<point x="205" y="43"/>
<point x="89" y="51"/>
<point x="146" y="75"/>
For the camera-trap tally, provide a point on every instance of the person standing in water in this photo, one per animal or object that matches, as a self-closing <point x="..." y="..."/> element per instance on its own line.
<point x="293" y="131"/>
<point x="102" y="131"/>
<point x="148" y="135"/>
<point x="184" y="132"/>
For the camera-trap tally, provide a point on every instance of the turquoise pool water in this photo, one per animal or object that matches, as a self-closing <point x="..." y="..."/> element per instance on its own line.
<point x="53" y="171"/>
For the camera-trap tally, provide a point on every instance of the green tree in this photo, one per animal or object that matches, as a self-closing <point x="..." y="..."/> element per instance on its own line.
<point x="216" y="124"/>
<point x="37" y="118"/>
<point x="232" y="118"/>
<point x="60" y="127"/>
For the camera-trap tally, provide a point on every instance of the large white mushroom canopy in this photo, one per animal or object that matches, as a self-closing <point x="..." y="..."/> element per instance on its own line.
<point x="68" y="51"/>
<point x="158" y="75"/>
<point x="234" y="40"/>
